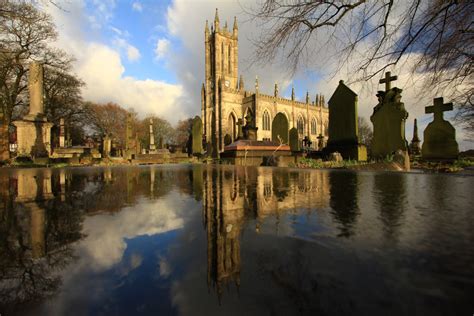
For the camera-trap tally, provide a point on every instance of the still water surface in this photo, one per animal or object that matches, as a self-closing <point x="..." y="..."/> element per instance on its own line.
<point x="224" y="240"/>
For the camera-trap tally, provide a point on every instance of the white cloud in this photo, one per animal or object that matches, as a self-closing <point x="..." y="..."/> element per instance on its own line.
<point x="133" y="54"/>
<point x="162" y="47"/>
<point x="101" y="68"/>
<point x="137" y="6"/>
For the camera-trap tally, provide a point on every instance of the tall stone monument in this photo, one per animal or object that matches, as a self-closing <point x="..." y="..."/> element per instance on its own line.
<point x="62" y="133"/>
<point x="415" y="149"/>
<point x="197" y="136"/>
<point x="152" y="149"/>
<point x="389" y="118"/>
<point x="34" y="131"/>
<point x="343" y="129"/>
<point x="439" y="137"/>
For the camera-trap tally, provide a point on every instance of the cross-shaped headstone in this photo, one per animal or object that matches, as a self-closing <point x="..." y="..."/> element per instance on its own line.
<point x="387" y="80"/>
<point x="438" y="108"/>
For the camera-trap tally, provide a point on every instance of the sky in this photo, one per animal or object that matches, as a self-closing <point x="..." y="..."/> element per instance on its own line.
<point x="149" y="56"/>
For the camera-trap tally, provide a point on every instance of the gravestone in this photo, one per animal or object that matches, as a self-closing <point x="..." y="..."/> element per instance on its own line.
<point x="240" y="133"/>
<point x="415" y="149"/>
<point x="249" y="130"/>
<point x="439" y="137"/>
<point x="197" y="136"/>
<point x="294" y="141"/>
<point x="227" y="139"/>
<point x="343" y="129"/>
<point x="107" y="146"/>
<point x="62" y="134"/>
<point x="34" y="131"/>
<point x="320" y="142"/>
<point x="152" y="149"/>
<point x="388" y="119"/>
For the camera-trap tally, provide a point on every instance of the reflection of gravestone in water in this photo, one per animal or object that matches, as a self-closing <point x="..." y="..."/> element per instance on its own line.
<point x="390" y="197"/>
<point x="388" y="119"/>
<point x="343" y="201"/>
<point x="439" y="137"/>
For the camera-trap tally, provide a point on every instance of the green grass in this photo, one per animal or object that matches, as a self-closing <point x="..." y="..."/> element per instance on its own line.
<point x="318" y="164"/>
<point x="463" y="163"/>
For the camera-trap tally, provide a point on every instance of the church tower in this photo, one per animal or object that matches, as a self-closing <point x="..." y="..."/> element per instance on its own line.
<point x="221" y="56"/>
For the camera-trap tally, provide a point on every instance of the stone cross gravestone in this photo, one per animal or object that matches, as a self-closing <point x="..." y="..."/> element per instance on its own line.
<point x="388" y="119"/>
<point x="294" y="141"/>
<point x="343" y="129"/>
<point x="197" y="136"/>
<point x="439" y="137"/>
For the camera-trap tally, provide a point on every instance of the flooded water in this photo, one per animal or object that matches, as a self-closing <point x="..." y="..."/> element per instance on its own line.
<point x="210" y="240"/>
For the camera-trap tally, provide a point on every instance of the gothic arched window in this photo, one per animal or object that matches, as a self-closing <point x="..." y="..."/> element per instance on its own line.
<point x="313" y="126"/>
<point x="222" y="58"/>
<point x="300" y="125"/>
<point x="228" y="61"/>
<point x="266" y="121"/>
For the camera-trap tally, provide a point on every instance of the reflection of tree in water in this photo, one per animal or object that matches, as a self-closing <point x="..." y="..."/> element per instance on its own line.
<point x="389" y="191"/>
<point x="343" y="201"/>
<point x="37" y="230"/>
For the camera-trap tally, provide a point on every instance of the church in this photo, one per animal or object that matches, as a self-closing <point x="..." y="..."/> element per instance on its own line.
<point x="225" y="103"/>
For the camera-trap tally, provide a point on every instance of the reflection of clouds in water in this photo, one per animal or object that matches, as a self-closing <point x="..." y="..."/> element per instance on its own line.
<point x="106" y="233"/>
<point x="165" y="268"/>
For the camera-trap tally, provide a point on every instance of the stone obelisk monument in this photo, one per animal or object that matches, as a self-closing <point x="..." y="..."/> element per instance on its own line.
<point x="152" y="139"/>
<point x="34" y="131"/>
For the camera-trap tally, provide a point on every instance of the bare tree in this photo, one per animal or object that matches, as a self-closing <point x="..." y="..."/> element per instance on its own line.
<point x="437" y="36"/>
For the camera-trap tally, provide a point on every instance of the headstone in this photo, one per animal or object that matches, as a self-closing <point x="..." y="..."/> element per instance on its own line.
<point x="62" y="134"/>
<point x="152" y="138"/>
<point x="388" y="119"/>
<point x="240" y="133"/>
<point x="197" y="136"/>
<point x="439" y="137"/>
<point x="294" y="141"/>
<point x="227" y="139"/>
<point x="335" y="156"/>
<point x="160" y="143"/>
<point x="402" y="158"/>
<point x="33" y="131"/>
<point x="415" y="149"/>
<point x="343" y="129"/>
<point x="320" y="142"/>
<point x="107" y="146"/>
<point x="249" y="130"/>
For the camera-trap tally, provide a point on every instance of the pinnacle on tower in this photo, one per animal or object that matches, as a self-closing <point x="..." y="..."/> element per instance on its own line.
<point x="323" y="103"/>
<point x="316" y="101"/>
<point x="236" y="28"/>
<point x="256" y="83"/>
<point x="292" y="93"/>
<point x="206" y="29"/>
<point x="276" y="90"/>
<point x="307" y="97"/>
<point x="225" y="26"/>
<point x="241" y="83"/>
<point x="216" y="21"/>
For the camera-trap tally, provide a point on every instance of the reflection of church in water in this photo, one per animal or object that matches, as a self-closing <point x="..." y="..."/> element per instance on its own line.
<point x="233" y="197"/>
